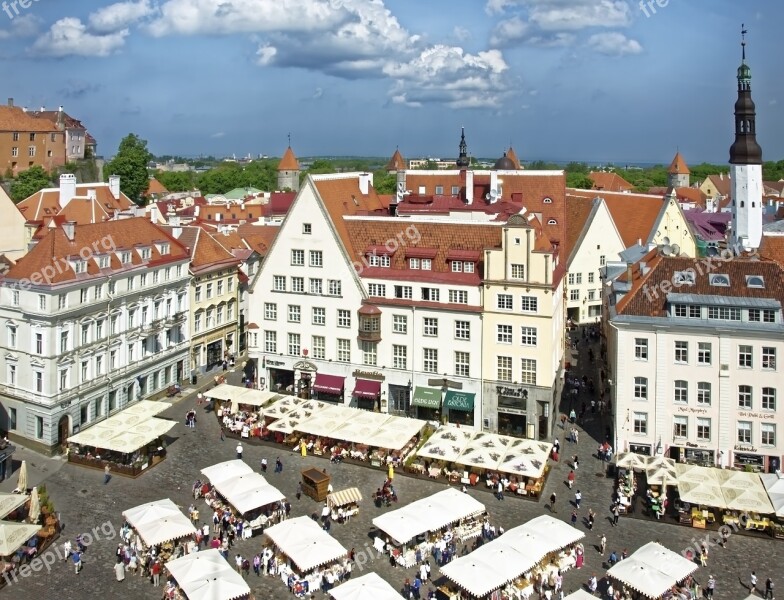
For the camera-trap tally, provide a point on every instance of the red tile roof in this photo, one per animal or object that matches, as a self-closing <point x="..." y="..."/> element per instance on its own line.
<point x="512" y="155"/>
<point x="280" y="203"/>
<point x="205" y="251"/>
<point x="45" y="204"/>
<point x="612" y="182"/>
<point x="722" y="183"/>
<point x="54" y="117"/>
<point x="289" y="161"/>
<point x="13" y="118"/>
<point x="772" y="248"/>
<point x="678" y="166"/>
<point x="49" y="259"/>
<point x="578" y="208"/>
<point x="396" y="163"/>
<point x="155" y="187"/>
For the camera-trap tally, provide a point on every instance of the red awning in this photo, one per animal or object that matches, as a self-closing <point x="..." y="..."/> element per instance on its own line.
<point x="366" y="388"/>
<point x="329" y="384"/>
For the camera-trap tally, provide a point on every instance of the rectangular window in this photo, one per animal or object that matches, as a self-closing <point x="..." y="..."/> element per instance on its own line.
<point x="115" y="324"/>
<point x="197" y="296"/>
<point x="457" y="266"/>
<point x="769" y="358"/>
<point x="528" y="371"/>
<point x="681" y="391"/>
<point x="197" y="322"/>
<point x="319" y="316"/>
<point x="430" y="294"/>
<point x="518" y="271"/>
<point x="640" y="388"/>
<point x="462" y="364"/>
<point x="270" y="311"/>
<point x="703" y="392"/>
<point x="15" y="297"/>
<point x="335" y="288"/>
<point x="113" y="359"/>
<point x="11" y="336"/>
<point x="430" y="327"/>
<point x="680" y="427"/>
<point x="703" y="353"/>
<point x="602" y="260"/>
<point x="12" y="419"/>
<point x="317" y="286"/>
<point x="695" y="312"/>
<point x="430" y="360"/>
<point x="427" y="264"/>
<point x="298" y="285"/>
<point x="63" y="341"/>
<point x="504" y="368"/>
<point x="131" y="352"/>
<point x="590" y="277"/>
<point x="641" y="348"/>
<point x="62" y="301"/>
<point x="413" y="263"/>
<point x="503" y="334"/>
<point x="703" y="429"/>
<point x="529" y="304"/>
<point x="63" y="383"/>
<point x="462" y="330"/>
<point x="399" y="356"/>
<point x="295" y="313"/>
<point x="458" y="297"/>
<point x="344" y="350"/>
<point x="316" y="258"/>
<point x="220" y="287"/>
<point x="99" y="329"/>
<point x="744" y="397"/>
<point x="404" y="291"/>
<point x="374" y="260"/>
<point x="768" y="432"/>
<point x="744" y="432"/>
<point x="278" y="284"/>
<point x="504" y="302"/>
<point x="99" y="365"/>
<point x="271" y="341"/>
<point x="369" y="355"/>
<point x="574" y="294"/>
<point x="377" y="289"/>
<point x="640" y="423"/>
<point x="769" y="398"/>
<point x="591" y="294"/>
<point x="41" y="302"/>
<point x="744" y="357"/>
<point x="98" y="292"/>
<point x="11" y="374"/>
<point x="529" y="337"/>
<point x="39" y="427"/>
<point x="307" y="228"/>
<point x="344" y="318"/>
<point x="39" y="343"/>
<point x="682" y="352"/>
<point x="298" y="258"/>
<point x="319" y="343"/>
<point x="570" y="279"/>
<point x="724" y="313"/>
<point x="399" y="324"/>
<point x="295" y="348"/>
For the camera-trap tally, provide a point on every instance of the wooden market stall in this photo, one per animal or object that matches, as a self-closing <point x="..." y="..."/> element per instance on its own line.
<point x="315" y="484"/>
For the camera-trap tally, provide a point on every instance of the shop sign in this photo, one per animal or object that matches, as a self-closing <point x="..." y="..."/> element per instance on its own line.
<point x="691" y="409"/>
<point x="745" y="448"/>
<point x="511" y="392"/>
<point x="756" y="415"/>
<point x="692" y="445"/>
<point x="275" y="363"/>
<point x="749" y="459"/>
<point x="511" y="411"/>
<point x="305" y="365"/>
<point x="371" y="375"/>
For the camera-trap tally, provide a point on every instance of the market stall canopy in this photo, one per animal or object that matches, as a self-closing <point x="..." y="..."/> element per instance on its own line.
<point x="525" y="457"/>
<point x="428" y="514"/>
<point x="225" y="392"/>
<point x="248" y="492"/>
<point x="251" y="397"/>
<point x="139" y="436"/>
<point x="446" y="444"/>
<point x="289" y="422"/>
<point x="226" y="470"/>
<point x="206" y="575"/>
<point x="774" y="485"/>
<point x="669" y="562"/>
<point x="305" y="543"/>
<point x="14" y="535"/>
<point x="707" y="493"/>
<point x="748" y="500"/>
<point x="652" y="570"/>
<point x="146" y="408"/>
<point x="696" y="474"/>
<point x="159" y="521"/>
<point x="485" y="451"/>
<point x="509" y="556"/>
<point x="580" y="595"/>
<point x="396" y="433"/>
<point x="367" y="587"/>
<point x="344" y="497"/>
<point x="660" y="470"/>
<point x="282" y="406"/>
<point x="426" y="397"/>
<point x="10" y="502"/>
<point x="630" y="460"/>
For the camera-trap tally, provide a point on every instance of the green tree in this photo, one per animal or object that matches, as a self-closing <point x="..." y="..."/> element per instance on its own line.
<point x="221" y="179"/>
<point x="577" y="167"/>
<point x="385" y="183"/>
<point x="176" y="181"/>
<point x="578" y="180"/>
<point x="130" y="164"/>
<point x="29" y="182"/>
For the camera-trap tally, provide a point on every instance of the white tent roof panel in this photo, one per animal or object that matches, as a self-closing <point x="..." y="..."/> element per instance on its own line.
<point x="305" y="543"/>
<point x="206" y="575"/>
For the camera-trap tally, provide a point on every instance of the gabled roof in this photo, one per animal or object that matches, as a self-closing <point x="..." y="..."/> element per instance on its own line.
<point x="722" y="183"/>
<point x="612" y="182"/>
<point x="396" y="163"/>
<point x="647" y="298"/>
<point x="634" y="215"/>
<point x="205" y="251"/>
<point x="13" y="118"/>
<point x="578" y="213"/>
<point x="280" y="203"/>
<point x="259" y="237"/>
<point x="289" y="161"/>
<point x="54" y="116"/>
<point x="684" y="195"/>
<point x="708" y="226"/>
<point x="678" y="166"/>
<point x="155" y="187"/>
<point x="772" y="248"/>
<point x="775" y="186"/>
<point x="109" y="237"/>
<point x="512" y="155"/>
<point x="45" y="204"/>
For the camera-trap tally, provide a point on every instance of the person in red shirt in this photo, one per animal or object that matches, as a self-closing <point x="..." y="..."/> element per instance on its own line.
<point x="156" y="573"/>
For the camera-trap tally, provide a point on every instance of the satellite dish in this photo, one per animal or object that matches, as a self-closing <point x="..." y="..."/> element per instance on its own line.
<point x="666" y="241"/>
<point x="712" y="251"/>
<point x="666" y="250"/>
<point x="676" y="249"/>
<point x="487" y="196"/>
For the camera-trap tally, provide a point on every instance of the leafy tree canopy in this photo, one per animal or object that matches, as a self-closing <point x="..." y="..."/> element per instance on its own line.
<point x="29" y="182"/>
<point x="130" y="164"/>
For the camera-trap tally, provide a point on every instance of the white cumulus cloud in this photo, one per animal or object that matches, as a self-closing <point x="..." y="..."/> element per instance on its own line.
<point x="119" y="16"/>
<point x="21" y="27"/>
<point x="70" y="37"/>
<point x="613" y="43"/>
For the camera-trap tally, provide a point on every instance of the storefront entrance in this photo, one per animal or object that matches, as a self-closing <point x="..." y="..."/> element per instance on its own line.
<point x="281" y="380"/>
<point x="367" y="394"/>
<point x="427" y="402"/>
<point x="644" y="449"/>
<point x="693" y="456"/>
<point x="63" y="431"/>
<point x="460" y="407"/>
<point x="329" y="388"/>
<point x="214" y="354"/>
<point x="513" y="424"/>
<point x="746" y="462"/>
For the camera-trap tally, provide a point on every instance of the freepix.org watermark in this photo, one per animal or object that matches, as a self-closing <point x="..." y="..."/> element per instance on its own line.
<point x="648" y="7"/>
<point x="55" y="553"/>
<point x="59" y="265"/>
<point x="403" y="238"/>
<point x="13" y="8"/>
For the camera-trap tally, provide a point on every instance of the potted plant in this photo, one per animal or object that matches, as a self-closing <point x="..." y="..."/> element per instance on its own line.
<point x="777" y="529"/>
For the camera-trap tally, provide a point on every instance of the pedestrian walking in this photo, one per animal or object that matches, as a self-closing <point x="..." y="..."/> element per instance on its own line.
<point x="278" y="465"/>
<point x="574" y="518"/>
<point x="769" y="589"/>
<point x="557" y="445"/>
<point x="576" y="436"/>
<point x="66" y="550"/>
<point x="591" y="517"/>
<point x="725" y="535"/>
<point x="299" y="490"/>
<point x="107" y="474"/>
<point x="602" y="545"/>
<point x="552" y="502"/>
<point x="257" y="565"/>
<point x="119" y="571"/>
<point x="593" y="584"/>
<point x="500" y="491"/>
<point x="753" y="583"/>
<point x="572" y="416"/>
<point x="239" y="451"/>
<point x="570" y="479"/>
<point x="155" y="569"/>
<point x="616" y="512"/>
<point x="578" y="497"/>
<point x="76" y="557"/>
<point x="575" y="462"/>
<point x="223" y="436"/>
<point x="704" y="555"/>
<point x="263" y="465"/>
<point x="711" y="587"/>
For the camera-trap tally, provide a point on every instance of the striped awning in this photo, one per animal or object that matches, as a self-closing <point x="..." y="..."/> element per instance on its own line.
<point x="343" y="497"/>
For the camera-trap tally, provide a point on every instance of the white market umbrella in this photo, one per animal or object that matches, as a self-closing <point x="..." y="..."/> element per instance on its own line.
<point x="14" y="535"/>
<point x="10" y="502"/>
<point x="206" y="575"/>
<point x="35" y="506"/>
<point x="750" y="501"/>
<point x="630" y="460"/>
<point x="364" y="588"/>
<point x="774" y="486"/>
<point x="706" y="493"/>
<point x="639" y="576"/>
<point x="22" y="485"/>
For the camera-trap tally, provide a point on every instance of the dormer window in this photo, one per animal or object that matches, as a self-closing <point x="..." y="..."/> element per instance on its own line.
<point x="145" y="253"/>
<point x="720" y="280"/>
<point x="163" y="248"/>
<point x="684" y="278"/>
<point x="457" y="266"/>
<point x="552" y="222"/>
<point x="413" y="263"/>
<point x="374" y="260"/>
<point x="79" y="266"/>
<point x="468" y="267"/>
<point x="125" y="257"/>
<point x="548" y="200"/>
<point x="103" y="262"/>
<point x="427" y="264"/>
<point x="755" y="281"/>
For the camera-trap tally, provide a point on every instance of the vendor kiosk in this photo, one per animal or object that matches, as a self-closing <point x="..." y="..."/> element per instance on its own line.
<point x="315" y="484"/>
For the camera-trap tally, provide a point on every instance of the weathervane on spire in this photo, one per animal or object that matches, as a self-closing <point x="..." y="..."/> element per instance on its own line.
<point x="289" y="140"/>
<point x="743" y="32"/>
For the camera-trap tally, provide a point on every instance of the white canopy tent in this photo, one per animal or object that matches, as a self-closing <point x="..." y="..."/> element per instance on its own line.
<point x="446" y="444"/>
<point x="305" y="543"/>
<point x="774" y="485"/>
<point x="396" y="433"/>
<point x="247" y="492"/>
<point x="580" y="594"/>
<point x="281" y="407"/>
<point x="652" y="570"/>
<point x="630" y="460"/>
<point x="226" y="470"/>
<point x="225" y="392"/>
<point x="525" y="457"/>
<point x="206" y="575"/>
<point x="428" y="514"/>
<point x="159" y="521"/>
<point x="509" y="556"/>
<point x="10" y="502"/>
<point x="367" y="587"/>
<point x="660" y="470"/>
<point x="14" y="535"/>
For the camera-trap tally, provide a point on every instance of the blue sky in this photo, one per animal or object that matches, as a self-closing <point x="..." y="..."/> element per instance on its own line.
<point x="594" y="80"/>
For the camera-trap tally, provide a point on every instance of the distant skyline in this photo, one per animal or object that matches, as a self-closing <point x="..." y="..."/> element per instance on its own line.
<point x="617" y="81"/>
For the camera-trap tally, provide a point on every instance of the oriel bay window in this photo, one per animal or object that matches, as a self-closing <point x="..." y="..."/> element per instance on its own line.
<point x="369" y="324"/>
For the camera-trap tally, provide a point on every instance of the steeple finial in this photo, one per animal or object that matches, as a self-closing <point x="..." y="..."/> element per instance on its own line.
<point x="289" y="140"/>
<point x="743" y="32"/>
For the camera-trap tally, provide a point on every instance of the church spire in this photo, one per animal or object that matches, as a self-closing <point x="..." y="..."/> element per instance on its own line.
<point x="463" y="162"/>
<point x="745" y="150"/>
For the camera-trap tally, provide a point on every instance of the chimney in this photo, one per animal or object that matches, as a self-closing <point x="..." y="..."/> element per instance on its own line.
<point x="365" y="181"/>
<point x="218" y="216"/>
<point x="176" y="231"/>
<point x="116" y="214"/>
<point x="114" y="186"/>
<point x="11" y="102"/>
<point x="493" y="181"/>
<point x="196" y="211"/>
<point x="43" y="108"/>
<point x="67" y="188"/>
<point x="630" y="273"/>
<point x="60" y="108"/>
<point x="69" y="228"/>
<point x="153" y="213"/>
<point x="469" y="186"/>
<point x="91" y="194"/>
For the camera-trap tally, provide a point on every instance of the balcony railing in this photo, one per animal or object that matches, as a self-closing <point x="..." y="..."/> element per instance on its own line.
<point x="369" y="336"/>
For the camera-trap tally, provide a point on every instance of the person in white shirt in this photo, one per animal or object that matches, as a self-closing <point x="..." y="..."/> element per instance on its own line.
<point x="423" y="572"/>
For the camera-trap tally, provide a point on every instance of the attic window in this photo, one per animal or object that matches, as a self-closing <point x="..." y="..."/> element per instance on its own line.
<point x="552" y="222"/>
<point x="755" y="281"/>
<point x="145" y="253"/>
<point x="548" y="200"/>
<point x="125" y="258"/>
<point x="103" y="262"/>
<point x="684" y="278"/>
<point x="163" y="248"/>
<point x="720" y="280"/>
<point x="79" y="266"/>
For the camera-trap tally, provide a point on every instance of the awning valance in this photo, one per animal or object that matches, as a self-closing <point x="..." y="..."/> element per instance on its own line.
<point x="426" y="397"/>
<point x="457" y="400"/>
<point x="329" y="384"/>
<point x="343" y="497"/>
<point x="365" y="388"/>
